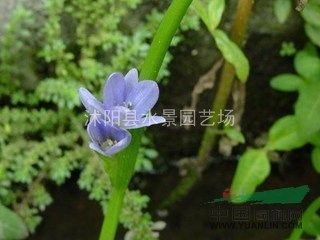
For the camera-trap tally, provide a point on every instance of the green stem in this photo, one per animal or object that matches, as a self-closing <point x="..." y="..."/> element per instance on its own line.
<point x="163" y="38"/>
<point x="226" y="81"/>
<point x="110" y="223"/>
<point x="227" y="77"/>
<point x="121" y="168"/>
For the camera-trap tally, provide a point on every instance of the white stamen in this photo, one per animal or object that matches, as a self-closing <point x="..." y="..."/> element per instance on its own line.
<point x="108" y="143"/>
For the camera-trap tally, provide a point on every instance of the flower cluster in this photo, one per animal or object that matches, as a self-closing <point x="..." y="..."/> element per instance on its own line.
<point x="124" y="95"/>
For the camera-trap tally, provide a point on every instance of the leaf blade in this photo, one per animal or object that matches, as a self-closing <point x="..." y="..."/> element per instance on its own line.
<point x="283" y="135"/>
<point x="253" y="168"/>
<point x="315" y="157"/>
<point x="233" y="54"/>
<point x="307" y="110"/>
<point x="215" y="11"/>
<point x="282" y="9"/>
<point x="11" y="225"/>
<point x="286" y="82"/>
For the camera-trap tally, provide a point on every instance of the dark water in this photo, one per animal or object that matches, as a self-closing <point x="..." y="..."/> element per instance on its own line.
<point x="73" y="216"/>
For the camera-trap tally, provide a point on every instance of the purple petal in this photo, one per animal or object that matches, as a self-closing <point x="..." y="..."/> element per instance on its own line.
<point x="97" y="107"/>
<point x="95" y="147"/>
<point x="89" y="101"/>
<point x="145" y="122"/>
<point x="97" y="131"/>
<point x="122" y="144"/>
<point x="114" y="90"/>
<point x="131" y="79"/>
<point x="144" y="96"/>
<point x="100" y="131"/>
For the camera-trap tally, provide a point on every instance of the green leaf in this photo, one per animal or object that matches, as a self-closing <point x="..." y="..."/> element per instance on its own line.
<point x="317" y="2"/>
<point x="11" y="225"/>
<point x="307" y="110"/>
<point x="151" y="153"/>
<point x="315" y="139"/>
<point x="313" y="33"/>
<point x="310" y="218"/>
<point x="233" y="54"/>
<point x="235" y="134"/>
<point x="307" y="63"/>
<point x="283" y="135"/>
<point x="286" y="82"/>
<point x="311" y="14"/>
<point x="282" y="9"/>
<point x="252" y="170"/>
<point x="215" y="11"/>
<point x="315" y="157"/>
<point x="312" y="226"/>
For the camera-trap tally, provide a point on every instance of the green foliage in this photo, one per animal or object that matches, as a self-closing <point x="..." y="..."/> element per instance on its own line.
<point x="295" y="131"/>
<point x="307" y="110"/>
<point x="315" y="157"/>
<point x="11" y="225"/>
<point x="287" y="82"/>
<point x="307" y="63"/>
<point x="215" y="11"/>
<point x="141" y="228"/>
<point x="44" y="59"/>
<point x="287" y="49"/>
<point x="311" y="15"/>
<point x="315" y="139"/>
<point x="235" y="134"/>
<point x="145" y="156"/>
<point x="233" y="54"/>
<point x="282" y="10"/>
<point x="94" y="180"/>
<point x="283" y="135"/>
<point x="252" y="170"/>
<point x="310" y="222"/>
<point x="314" y="33"/>
<point x="289" y="132"/>
<point x="16" y="42"/>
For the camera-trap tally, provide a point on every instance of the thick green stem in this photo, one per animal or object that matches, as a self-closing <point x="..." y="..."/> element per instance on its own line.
<point x="121" y="167"/>
<point x="226" y="81"/>
<point x="163" y="38"/>
<point x="110" y="223"/>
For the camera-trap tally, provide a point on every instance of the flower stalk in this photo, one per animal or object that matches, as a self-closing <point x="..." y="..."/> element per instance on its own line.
<point x="120" y="167"/>
<point x="109" y="226"/>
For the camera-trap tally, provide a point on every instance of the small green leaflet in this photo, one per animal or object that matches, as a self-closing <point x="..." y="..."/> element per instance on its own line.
<point x="282" y="9"/>
<point x="252" y="170"/>
<point x="311" y="14"/>
<point x="313" y="33"/>
<point x="284" y="136"/>
<point x="235" y="134"/>
<point x="287" y="82"/>
<point x="307" y="110"/>
<point x="233" y="54"/>
<point x="307" y="63"/>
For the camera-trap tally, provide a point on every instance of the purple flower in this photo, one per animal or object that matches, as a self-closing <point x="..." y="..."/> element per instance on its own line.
<point x="126" y="105"/>
<point x="126" y="101"/>
<point x="106" y="139"/>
